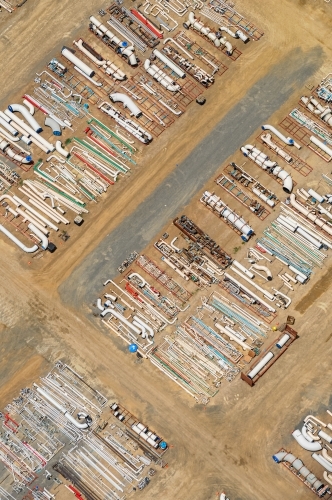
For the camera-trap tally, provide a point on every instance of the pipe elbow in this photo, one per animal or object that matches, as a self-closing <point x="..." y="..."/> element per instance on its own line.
<point x="306" y="445"/>
<point x="61" y="150"/>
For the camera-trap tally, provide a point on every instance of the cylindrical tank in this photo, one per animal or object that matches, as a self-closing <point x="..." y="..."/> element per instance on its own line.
<point x="282" y="341"/>
<point x="77" y="62"/>
<point x="260" y="365"/>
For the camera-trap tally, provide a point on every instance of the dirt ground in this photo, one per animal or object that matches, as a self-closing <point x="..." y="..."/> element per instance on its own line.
<point x="228" y="444"/>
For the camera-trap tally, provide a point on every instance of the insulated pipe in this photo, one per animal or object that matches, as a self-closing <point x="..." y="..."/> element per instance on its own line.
<point x="322" y="461"/>
<point x="284" y="339"/>
<point x="286" y="140"/>
<point x="40" y="235"/>
<point x="17" y="241"/>
<point x="310" y="438"/>
<point x="61" y="150"/>
<point x="169" y="63"/>
<point x="315" y="195"/>
<point x="161" y="77"/>
<point x="319" y="222"/>
<point x="63" y="410"/>
<point x="233" y="337"/>
<point x="8" y="136"/>
<point x="49" y="122"/>
<point x="325" y="436"/>
<point x="9" y="127"/>
<point x="19" y="202"/>
<point x="266" y="294"/>
<point x="29" y="118"/>
<point x="243" y="269"/>
<point x="140" y="327"/>
<point x="30" y="131"/>
<point x="30" y="106"/>
<point x="262" y="268"/>
<point x="127" y="103"/>
<point x="298" y="436"/>
<point x="120" y="318"/>
<point x="147" y="327"/>
<point x="326" y="455"/>
<point x="261" y="301"/>
<point x="31" y="218"/>
<point x="297" y="464"/>
<point x="263" y="362"/>
<point x="93" y="56"/>
<point x="321" y="145"/>
<point x="263" y="197"/>
<point x="77" y="62"/>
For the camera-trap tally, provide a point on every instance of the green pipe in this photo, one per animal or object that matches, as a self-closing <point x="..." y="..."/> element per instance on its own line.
<point x="113" y="134"/>
<point x="111" y="144"/>
<point x="101" y="155"/>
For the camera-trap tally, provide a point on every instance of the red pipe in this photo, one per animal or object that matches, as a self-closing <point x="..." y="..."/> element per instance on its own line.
<point x="75" y="491"/>
<point x="147" y="23"/>
<point x="93" y="168"/>
<point x="101" y="144"/>
<point x="35" y="104"/>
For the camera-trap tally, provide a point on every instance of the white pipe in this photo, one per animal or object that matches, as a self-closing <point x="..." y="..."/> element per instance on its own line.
<point x="311" y="417"/>
<point x="61" y="150"/>
<point x="30" y="107"/>
<point x="77" y="62"/>
<point x="298" y="436"/>
<point x="63" y="410"/>
<point x="288" y="300"/>
<point x="306" y="435"/>
<point x="32" y="219"/>
<point x="319" y="222"/>
<point x="266" y="294"/>
<point x="30" y="131"/>
<point x="325" y="436"/>
<point x="54" y="125"/>
<point x="263" y="268"/>
<point x="263" y="362"/>
<point x="161" y="77"/>
<point x="29" y="118"/>
<point x="120" y="318"/>
<point x="271" y="309"/>
<point x="169" y="63"/>
<point x="286" y="140"/>
<point x="315" y="195"/>
<point x="38" y="215"/>
<point x="140" y="327"/>
<point x="233" y="337"/>
<point x="243" y="269"/>
<point x="127" y="103"/>
<point x="147" y="327"/>
<point x="40" y="235"/>
<point x="321" y="145"/>
<point x="79" y="44"/>
<point x="9" y="127"/>
<point x="17" y="241"/>
<point x="326" y="455"/>
<point x="322" y="461"/>
<point x="178" y="250"/>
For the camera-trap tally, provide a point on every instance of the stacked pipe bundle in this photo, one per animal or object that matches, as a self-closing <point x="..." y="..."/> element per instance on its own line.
<point x="265" y="163"/>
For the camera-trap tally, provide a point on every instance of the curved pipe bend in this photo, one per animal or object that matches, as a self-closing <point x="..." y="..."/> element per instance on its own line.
<point x="127" y="103"/>
<point x="29" y="118"/>
<point x="310" y="446"/>
<point x="61" y="150"/>
<point x="49" y="122"/>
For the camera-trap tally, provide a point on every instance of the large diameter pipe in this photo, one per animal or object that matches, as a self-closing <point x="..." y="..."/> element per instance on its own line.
<point x="243" y="269"/>
<point x="121" y="318"/>
<point x="314" y="446"/>
<point x="127" y="103"/>
<point x="77" y="62"/>
<point x="17" y="242"/>
<point x="286" y="140"/>
<point x="43" y="238"/>
<point x="321" y="145"/>
<point x="27" y="115"/>
<point x="271" y="309"/>
<point x="322" y="461"/>
<point x="263" y="362"/>
<point x="169" y="63"/>
<point x="9" y="127"/>
<point x="63" y="410"/>
<point x="233" y="337"/>
<point x="28" y="129"/>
